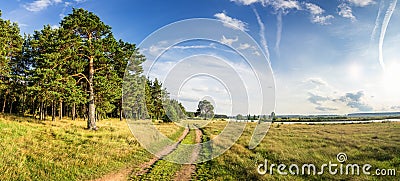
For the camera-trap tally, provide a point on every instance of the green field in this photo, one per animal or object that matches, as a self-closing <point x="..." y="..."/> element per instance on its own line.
<point x="64" y="150"/>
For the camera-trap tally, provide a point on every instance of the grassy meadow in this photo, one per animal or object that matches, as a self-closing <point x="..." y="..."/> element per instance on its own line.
<point x="64" y="150"/>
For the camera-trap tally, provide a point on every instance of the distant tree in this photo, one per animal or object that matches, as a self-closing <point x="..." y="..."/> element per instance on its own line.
<point x="190" y="114"/>
<point x="197" y="113"/>
<point x="206" y="109"/>
<point x="240" y="117"/>
<point x="273" y="116"/>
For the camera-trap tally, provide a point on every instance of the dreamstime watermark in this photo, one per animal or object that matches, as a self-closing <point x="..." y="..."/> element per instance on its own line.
<point x="340" y="168"/>
<point x="197" y="59"/>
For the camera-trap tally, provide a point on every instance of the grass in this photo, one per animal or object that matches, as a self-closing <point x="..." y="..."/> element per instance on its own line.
<point x="375" y="143"/>
<point x="64" y="150"/>
<point x="170" y="130"/>
<point x="165" y="170"/>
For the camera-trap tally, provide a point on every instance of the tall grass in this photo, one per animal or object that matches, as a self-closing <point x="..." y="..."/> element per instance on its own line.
<point x="64" y="150"/>
<point x="376" y="144"/>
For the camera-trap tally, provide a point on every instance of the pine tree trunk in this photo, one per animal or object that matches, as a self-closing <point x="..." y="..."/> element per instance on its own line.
<point x="120" y="111"/>
<point x="45" y="111"/>
<point x="41" y="112"/>
<point x="92" y="109"/>
<point x="73" y="111"/>
<point x="4" y="103"/>
<point x="60" y="114"/>
<point x="53" y="111"/>
<point x="23" y="104"/>
<point x="66" y="111"/>
<point x="11" y="106"/>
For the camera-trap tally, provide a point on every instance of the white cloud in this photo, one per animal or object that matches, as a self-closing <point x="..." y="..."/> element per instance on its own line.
<point x="346" y="12"/>
<point x="243" y="46"/>
<point x="231" y="22"/>
<point x="246" y="2"/>
<point x="285" y="4"/>
<point x="40" y="5"/>
<point x="316" y="81"/>
<point x="55" y="26"/>
<point x="323" y="20"/>
<point x="314" y="9"/>
<point x="157" y="49"/>
<point x="228" y="41"/>
<point x="316" y="14"/>
<point x="361" y="3"/>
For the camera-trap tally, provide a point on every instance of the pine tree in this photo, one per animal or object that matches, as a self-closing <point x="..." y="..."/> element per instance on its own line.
<point x="10" y="50"/>
<point x="94" y="47"/>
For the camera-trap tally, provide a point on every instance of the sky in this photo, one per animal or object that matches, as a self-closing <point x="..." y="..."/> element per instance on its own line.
<point x="308" y="57"/>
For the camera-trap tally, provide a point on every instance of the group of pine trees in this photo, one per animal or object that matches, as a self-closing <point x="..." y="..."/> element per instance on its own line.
<point x="77" y="70"/>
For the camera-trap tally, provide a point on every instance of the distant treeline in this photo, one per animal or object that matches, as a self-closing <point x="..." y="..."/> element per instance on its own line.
<point x="77" y="70"/>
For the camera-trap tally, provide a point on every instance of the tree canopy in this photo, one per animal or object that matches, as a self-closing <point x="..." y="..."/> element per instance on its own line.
<point x="78" y="70"/>
<point x="205" y="109"/>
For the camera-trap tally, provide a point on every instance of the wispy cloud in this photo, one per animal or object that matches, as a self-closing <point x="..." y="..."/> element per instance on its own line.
<point x="316" y="14"/>
<point x="354" y="100"/>
<point x="278" y="32"/>
<point x="345" y="11"/>
<point x="282" y="7"/>
<point x="68" y="4"/>
<point x="326" y="98"/>
<point x="262" y="33"/>
<point x="316" y="99"/>
<point x="385" y="24"/>
<point x="247" y="2"/>
<point x="361" y="3"/>
<point x="322" y="20"/>
<point x="317" y="82"/>
<point x="314" y="9"/>
<point x="377" y="20"/>
<point x="228" y="41"/>
<point x="244" y="46"/>
<point x="40" y="5"/>
<point x="231" y="22"/>
<point x="285" y="5"/>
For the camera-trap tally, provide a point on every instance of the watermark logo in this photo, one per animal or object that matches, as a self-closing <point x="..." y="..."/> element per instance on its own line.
<point x="342" y="168"/>
<point x="198" y="59"/>
<point x="341" y="157"/>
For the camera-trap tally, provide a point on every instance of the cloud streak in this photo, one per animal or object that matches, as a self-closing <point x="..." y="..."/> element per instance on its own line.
<point x="40" y="5"/>
<point x="361" y="3"/>
<point x="278" y="32"/>
<point x="231" y="22"/>
<point x="385" y="24"/>
<point x="262" y="33"/>
<point x="377" y="21"/>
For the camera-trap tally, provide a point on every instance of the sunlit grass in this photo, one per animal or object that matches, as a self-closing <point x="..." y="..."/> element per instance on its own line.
<point x="164" y="169"/>
<point x="375" y="144"/>
<point x="64" y="150"/>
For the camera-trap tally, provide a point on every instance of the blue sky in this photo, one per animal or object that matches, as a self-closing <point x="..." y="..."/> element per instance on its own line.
<point x="328" y="57"/>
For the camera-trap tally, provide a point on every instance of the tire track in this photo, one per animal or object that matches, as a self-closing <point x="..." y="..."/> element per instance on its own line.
<point x="187" y="170"/>
<point x="144" y="168"/>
